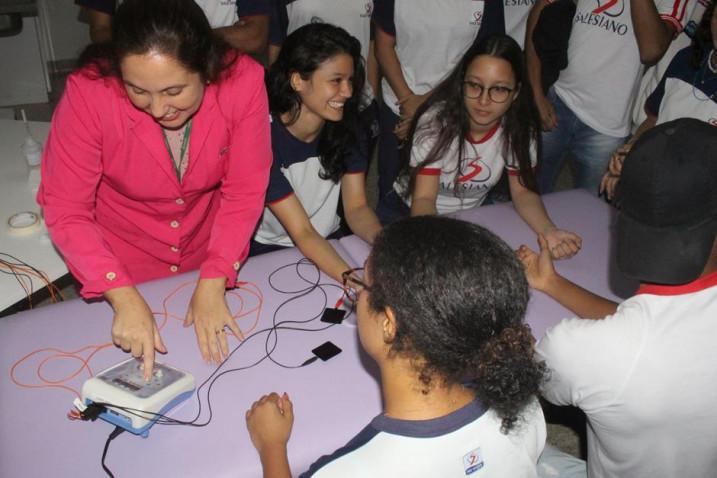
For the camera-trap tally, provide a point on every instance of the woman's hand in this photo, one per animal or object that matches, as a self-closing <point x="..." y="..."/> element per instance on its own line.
<point x="133" y="327"/>
<point x="614" y="169"/>
<point x="539" y="269"/>
<point x="210" y="315"/>
<point x="269" y="422"/>
<point x="562" y="244"/>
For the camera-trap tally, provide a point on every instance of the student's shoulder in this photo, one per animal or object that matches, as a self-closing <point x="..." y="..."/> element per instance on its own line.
<point x="680" y="64"/>
<point x="574" y="337"/>
<point x="339" y="463"/>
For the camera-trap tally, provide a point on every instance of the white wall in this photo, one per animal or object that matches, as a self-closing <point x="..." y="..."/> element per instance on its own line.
<point x="67" y="33"/>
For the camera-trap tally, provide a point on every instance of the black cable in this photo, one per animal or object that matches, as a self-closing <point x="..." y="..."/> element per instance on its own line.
<point x="312" y="285"/>
<point x="20" y="262"/>
<point x="17" y="276"/>
<point x="115" y="433"/>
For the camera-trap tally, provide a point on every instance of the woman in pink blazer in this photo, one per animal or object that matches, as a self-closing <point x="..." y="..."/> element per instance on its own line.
<point x="157" y="163"/>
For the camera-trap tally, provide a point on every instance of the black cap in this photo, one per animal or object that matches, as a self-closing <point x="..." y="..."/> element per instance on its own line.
<point x="667" y="196"/>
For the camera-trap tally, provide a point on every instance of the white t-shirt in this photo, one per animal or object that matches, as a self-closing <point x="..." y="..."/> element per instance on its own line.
<point x="481" y="168"/>
<point x="652" y="75"/>
<point x="430" y="36"/>
<point x="220" y="13"/>
<point x="465" y="443"/>
<point x="685" y="92"/>
<point x="646" y="377"/>
<point x="225" y="13"/>
<point x="297" y="170"/>
<point x="516" y="18"/>
<point x="600" y="82"/>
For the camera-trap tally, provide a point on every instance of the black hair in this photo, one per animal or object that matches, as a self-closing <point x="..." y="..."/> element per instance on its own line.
<point x="303" y="51"/>
<point x="177" y="28"/>
<point x="452" y="123"/>
<point x="459" y="295"/>
<point x="702" y="43"/>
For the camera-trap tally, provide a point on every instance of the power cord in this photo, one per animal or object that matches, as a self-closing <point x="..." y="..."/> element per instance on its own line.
<point x="115" y="433"/>
<point x="270" y="346"/>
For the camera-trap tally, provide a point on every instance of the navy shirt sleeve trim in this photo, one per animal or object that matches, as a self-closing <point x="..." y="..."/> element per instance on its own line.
<point x="279" y="23"/>
<point x="363" y="437"/>
<point x="248" y="8"/>
<point x="678" y="68"/>
<point x="383" y="15"/>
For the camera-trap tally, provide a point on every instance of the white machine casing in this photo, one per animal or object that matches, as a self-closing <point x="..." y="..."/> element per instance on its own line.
<point x="123" y="385"/>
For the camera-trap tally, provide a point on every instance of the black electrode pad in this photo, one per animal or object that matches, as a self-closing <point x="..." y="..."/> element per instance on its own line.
<point x="326" y="350"/>
<point x="333" y="316"/>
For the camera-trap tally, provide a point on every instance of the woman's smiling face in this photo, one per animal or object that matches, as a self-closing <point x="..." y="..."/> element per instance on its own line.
<point x="160" y="86"/>
<point x="326" y="91"/>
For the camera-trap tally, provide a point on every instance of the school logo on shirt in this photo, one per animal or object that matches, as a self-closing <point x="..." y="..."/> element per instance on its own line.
<point x="477" y="18"/>
<point x="519" y="3"/>
<point x="368" y="10"/>
<point x="611" y="8"/>
<point x="474" y="170"/>
<point x="316" y="19"/>
<point x="604" y="17"/>
<point x="472" y="461"/>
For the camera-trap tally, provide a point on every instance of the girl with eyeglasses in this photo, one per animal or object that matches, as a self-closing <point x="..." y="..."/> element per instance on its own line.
<point x="478" y="122"/>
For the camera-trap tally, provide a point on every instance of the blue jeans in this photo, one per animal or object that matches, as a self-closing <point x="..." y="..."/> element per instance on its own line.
<point x="591" y="150"/>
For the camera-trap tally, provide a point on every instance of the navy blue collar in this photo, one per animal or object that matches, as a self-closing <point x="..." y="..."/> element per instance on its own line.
<point x="433" y="427"/>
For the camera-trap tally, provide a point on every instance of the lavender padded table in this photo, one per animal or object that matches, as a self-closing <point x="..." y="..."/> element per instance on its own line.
<point x="575" y="210"/>
<point x="333" y="400"/>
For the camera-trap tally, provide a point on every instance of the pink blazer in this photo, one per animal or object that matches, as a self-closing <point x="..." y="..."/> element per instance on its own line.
<point x="111" y="198"/>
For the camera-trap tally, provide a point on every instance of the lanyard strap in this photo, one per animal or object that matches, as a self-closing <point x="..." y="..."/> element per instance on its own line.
<point x="182" y="150"/>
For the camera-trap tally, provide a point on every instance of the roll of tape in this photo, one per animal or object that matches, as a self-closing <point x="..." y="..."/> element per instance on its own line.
<point x="23" y="223"/>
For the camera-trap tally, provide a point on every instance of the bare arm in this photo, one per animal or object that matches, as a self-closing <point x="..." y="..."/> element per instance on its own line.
<point x="372" y="71"/>
<point x="653" y="34"/>
<point x="269" y="422"/>
<point x="545" y="109"/>
<point x="385" y="46"/>
<point x="609" y="181"/>
<point x="542" y="276"/>
<point x="650" y="122"/>
<point x="425" y="195"/>
<point x="293" y="217"/>
<point x="361" y="218"/>
<point x="275" y="462"/>
<point x="100" y="25"/>
<point x="273" y="54"/>
<point x="249" y="34"/>
<point x="529" y="205"/>
<point x="408" y="101"/>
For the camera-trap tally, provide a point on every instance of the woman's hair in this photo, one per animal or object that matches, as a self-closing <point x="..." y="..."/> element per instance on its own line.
<point x="177" y="28"/>
<point x="702" y="43"/>
<point x="303" y="52"/>
<point x="521" y="124"/>
<point x="459" y="296"/>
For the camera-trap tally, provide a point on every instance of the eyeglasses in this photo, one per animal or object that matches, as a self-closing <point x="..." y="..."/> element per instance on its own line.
<point x="352" y="284"/>
<point x="497" y="94"/>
